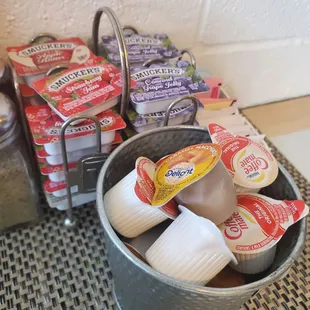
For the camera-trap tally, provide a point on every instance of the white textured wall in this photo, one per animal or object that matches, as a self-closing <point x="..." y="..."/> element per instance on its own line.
<point x="260" y="47"/>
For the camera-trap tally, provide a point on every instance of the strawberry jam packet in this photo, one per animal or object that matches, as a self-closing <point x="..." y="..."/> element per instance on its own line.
<point x="45" y="125"/>
<point x="86" y="89"/>
<point x="30" y="60"/>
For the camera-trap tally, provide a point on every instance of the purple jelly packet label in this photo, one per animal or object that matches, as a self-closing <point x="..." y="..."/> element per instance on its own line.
<point x="160" y="82"/>
<point x="141" y="47"/>
<point x="138" y="120"/>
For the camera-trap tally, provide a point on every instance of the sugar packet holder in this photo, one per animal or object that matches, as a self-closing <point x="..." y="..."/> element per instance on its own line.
<point x="88" y="167"/>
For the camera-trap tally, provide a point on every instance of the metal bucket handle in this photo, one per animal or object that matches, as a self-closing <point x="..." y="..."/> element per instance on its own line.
<point x="122" y="52"/>
<point x="133" y="29"/>
<point x="42" y="35"/>
<point x="56" y="69"/>
<point x="69" y="220"/>
<point x="191" y="56"/>
<point x="196" y="103"/>
<point x="149" y="62"/>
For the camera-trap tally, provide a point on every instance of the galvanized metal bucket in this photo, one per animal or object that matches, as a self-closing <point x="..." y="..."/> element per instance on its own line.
<point x="139" y="287"/>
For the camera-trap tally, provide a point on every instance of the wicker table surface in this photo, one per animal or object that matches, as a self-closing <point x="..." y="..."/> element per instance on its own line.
<point x="46" y="266"/>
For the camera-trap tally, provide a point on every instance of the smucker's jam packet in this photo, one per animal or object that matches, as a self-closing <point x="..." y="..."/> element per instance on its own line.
<point x="182" y="169"/>
<point x="250" y="164"/>
<point x="141" y="47"/>
<point x="39" y="58"/>
<point x="159" y="83"/>
<point x="260" y="222"/>
<point x="87" y="89"/>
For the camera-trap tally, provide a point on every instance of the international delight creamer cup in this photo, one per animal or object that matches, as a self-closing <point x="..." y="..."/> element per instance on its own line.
<point x="192" y="249"/>
<point x="250" y="164"/>
<point x="197" y="179"/>
<point x="252" y="233"/>
<point x="128" y="203"/>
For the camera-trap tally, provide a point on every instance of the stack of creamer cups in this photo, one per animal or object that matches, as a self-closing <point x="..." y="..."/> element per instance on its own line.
<point x="60" y="79"/>
<point x="195" y="215"/>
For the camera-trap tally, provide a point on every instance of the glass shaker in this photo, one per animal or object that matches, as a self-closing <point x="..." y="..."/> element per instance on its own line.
<point x="19" y="197"/>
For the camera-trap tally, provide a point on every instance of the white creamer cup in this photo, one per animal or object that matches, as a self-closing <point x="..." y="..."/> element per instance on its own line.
<point x="192" y="249"/>
<point x="213" y="196"/>
<point x="255" y="263"/>
<point x="126" y="212"/>
<point x="241" y="189"/>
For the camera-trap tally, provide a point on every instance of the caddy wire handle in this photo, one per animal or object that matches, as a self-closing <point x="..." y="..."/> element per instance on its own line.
<point x="122" y="52"/>
<point x="34" y="39"/>
<point x="149" y="62"/>
<point x="194" y="100"/>
<point x="69" y="220"/>
<point x="56" y="69"/>
<point x="191" y="56"/>
<point x="128" y="27"/>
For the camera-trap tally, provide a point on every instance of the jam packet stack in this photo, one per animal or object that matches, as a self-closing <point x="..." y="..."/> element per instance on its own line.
<point x="156" y="87"/>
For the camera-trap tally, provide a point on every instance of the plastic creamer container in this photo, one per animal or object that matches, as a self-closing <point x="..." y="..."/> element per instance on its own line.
<point x="86" y="89"/>
<point x="250" y="164"/>
<point x="144" y="122"/>
<point x="160" y="83"/>
<point x="191" y="249"/>
<point x="76" y="155"/>
<point x="45" y="127"/>
<point x="196" y="178"/>
<point x="141" y="47"/>
<point x="252" y="233"/>
<point x="33" y="61"/>
<point x="128" y="203"/>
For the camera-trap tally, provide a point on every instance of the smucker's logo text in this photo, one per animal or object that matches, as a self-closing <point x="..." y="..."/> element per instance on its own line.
<point x="73" y="75"/>
<point x="140" y="40"/>
<point x="156" y="72"/>
<point x="32" y="50"/>
<point x="234" y="226"/>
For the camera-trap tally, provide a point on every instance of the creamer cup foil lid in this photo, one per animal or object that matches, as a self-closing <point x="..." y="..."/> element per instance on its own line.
<point x="260" y="222"/>
<point x="145" y="188"/>
<point x="39" y="58"/>
<point x="249" y="163"/>
<point x="45" y="125"/>
<point x="182" y="169"/>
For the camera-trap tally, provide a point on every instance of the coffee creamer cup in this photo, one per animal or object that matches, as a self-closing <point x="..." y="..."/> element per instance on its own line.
<point x="253" y="232"/>
<point x="249" y="163"/>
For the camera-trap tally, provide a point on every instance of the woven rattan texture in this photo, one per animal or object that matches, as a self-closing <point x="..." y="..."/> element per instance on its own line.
<point x="46" y="266"/>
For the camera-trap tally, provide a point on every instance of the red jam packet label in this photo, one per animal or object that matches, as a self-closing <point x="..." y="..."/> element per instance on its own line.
<point x="182" y="169"/>
<point x="82" y="88"/>
<point x="249" y="163"/>
<point x="145" y="189"/>
<point x="45" y="125"/>
<point x="46" y="168"/>
<point x="260" y="222"/>
<point x="35" y="59"/>
<point x="51" y="187"/>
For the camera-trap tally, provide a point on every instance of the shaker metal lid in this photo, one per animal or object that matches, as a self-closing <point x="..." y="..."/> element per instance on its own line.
<point x="7" y="114"/>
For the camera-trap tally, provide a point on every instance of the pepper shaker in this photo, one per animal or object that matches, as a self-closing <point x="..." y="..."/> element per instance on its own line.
<point x="19" y="198"/>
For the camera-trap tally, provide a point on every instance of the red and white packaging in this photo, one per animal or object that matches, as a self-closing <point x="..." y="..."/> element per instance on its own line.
<point x="253" y="232"/>
<point x="249" y="163"/>
<point x="76" y="155"/>
<point x="86" y="89"/>
<point x="45" y="127"/>
<point x="58" y="189"/>
<point x="33" y="61"/>
<point x="30" y="96"/>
